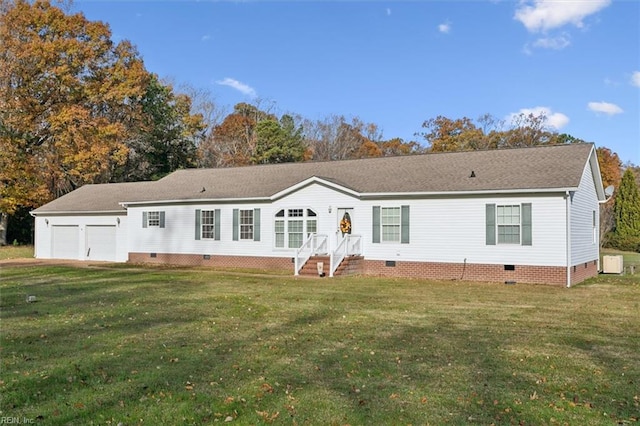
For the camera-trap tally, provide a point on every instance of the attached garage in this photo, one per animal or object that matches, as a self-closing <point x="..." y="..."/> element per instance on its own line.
<point x="65" y="242"/>
<point x="101" y="242"/>
<point x="87" y="224"/>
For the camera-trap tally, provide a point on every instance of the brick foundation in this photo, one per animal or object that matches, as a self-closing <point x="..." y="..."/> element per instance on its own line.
<point x="582" y="271"/>
<point x="554" y="275"/>
<point x="248" y="262"/>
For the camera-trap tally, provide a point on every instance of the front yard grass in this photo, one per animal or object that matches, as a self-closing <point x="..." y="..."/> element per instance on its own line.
<point x="157" y="346"/>
<point x="16" y="252"/>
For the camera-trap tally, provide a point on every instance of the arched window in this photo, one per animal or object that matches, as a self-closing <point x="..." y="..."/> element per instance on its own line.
<point x="293" y="226"/>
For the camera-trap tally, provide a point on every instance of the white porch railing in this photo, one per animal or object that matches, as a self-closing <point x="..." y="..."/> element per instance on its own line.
<point x="348" y="246"/>
<point x="315" y="244"/>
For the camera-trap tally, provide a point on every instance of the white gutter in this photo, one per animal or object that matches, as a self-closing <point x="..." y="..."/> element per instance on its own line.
<point x="481" y="192"/>
<point x="568" y="237"/>
<point x="362" y="196"/>
<point x="77" y="212"/>
<point x="127" y="204"/>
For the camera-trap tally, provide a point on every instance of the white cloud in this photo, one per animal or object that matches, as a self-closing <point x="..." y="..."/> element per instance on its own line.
<point x="605" y="108"/>
<point x="239" y="86"/>
<point x="557" y="120"/>
<point x="388" y="11"/>
<point x="543" y="15"/>
<point x="635" y="78"/>
<point x="205" y="37"/>
<point x="444" y="28"/>
<point x="556" y="43"/>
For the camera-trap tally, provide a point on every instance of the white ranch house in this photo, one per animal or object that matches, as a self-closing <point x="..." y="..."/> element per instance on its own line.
<point x="514" y="215"/>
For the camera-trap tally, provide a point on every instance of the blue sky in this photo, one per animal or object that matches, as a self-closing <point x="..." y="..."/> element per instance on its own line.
<point x="399" y="63"/>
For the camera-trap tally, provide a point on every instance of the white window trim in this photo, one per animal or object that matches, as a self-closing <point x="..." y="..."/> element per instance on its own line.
<point x="384" y="240"/>
<point x="286" y="219"/>
<point x="498" y="224"/>
<point x="212" y="232"/>
<point x="155" y="221"/>
<point x="245" y="228"/>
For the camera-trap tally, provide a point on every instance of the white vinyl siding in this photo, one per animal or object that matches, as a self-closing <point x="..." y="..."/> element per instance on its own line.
<point x="584" y="235"/>
<point x="442" y="229"/>
<point x="450" y="230"/>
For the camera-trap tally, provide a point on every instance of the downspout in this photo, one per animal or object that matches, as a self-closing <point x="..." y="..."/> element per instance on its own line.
<point x="568" y="238"/>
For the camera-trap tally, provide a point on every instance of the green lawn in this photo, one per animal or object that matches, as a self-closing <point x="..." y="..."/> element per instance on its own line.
<point x="156" y="346"/>
<point x="16" y="252"/>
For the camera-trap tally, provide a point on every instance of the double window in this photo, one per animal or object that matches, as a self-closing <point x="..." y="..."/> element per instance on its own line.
<point x="508" y="224"/>
<point x="292" y="226"/>
<point x="246" y="224"/>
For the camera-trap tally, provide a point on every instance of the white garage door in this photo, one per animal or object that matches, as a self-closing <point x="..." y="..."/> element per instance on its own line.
<point x="64" y="240"/>
<point x="101" y="243"/>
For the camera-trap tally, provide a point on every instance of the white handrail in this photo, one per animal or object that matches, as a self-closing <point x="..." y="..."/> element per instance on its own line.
<point x="314" y="244"/>
<point x="348" y="246"/>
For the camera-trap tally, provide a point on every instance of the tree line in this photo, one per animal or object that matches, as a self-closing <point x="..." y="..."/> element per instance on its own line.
<point x="78" y="108"/>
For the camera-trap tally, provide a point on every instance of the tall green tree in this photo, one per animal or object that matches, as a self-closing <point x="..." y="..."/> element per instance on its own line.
<point x="166" y="137"/>
<point x="278" y="141"/>
<point x="627" y="214"/>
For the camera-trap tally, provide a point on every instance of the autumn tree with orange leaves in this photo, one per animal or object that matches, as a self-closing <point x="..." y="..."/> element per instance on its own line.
<point x="71" y="104"/>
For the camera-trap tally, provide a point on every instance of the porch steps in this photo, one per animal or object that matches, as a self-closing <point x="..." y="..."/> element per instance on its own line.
<point x="351" y="265"/>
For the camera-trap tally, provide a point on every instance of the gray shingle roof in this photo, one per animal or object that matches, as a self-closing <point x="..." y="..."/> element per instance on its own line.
<point x="539" y="168"/>
<point x="96" y="198"/>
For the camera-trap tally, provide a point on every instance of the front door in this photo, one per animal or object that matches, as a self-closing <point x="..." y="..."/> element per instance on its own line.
<point x="345" y="223"/>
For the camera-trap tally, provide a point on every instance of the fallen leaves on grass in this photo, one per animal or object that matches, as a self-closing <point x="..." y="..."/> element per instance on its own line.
<point x="268" y="417"/>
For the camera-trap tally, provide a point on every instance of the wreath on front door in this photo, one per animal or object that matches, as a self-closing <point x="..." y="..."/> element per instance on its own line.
<point x="345" y="224"/>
